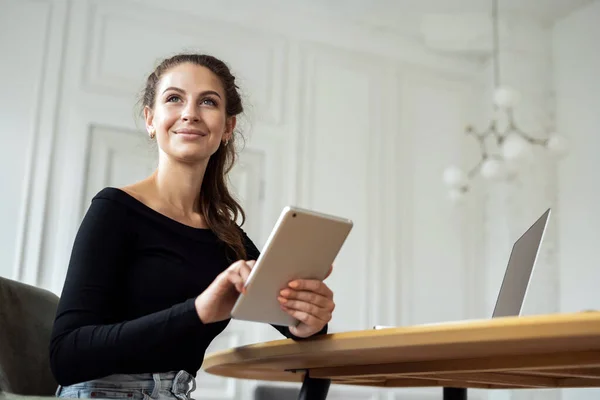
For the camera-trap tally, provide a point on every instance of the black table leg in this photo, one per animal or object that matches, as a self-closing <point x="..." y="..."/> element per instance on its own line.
<point x="455" y="393"/>
<point x="314" y="389"/>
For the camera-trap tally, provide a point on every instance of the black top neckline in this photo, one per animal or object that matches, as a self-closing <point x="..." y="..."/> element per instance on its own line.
<point x="121" y="196"/>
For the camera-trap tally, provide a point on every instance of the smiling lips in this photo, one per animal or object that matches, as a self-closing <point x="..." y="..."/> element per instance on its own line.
<point x="191" y="133"/>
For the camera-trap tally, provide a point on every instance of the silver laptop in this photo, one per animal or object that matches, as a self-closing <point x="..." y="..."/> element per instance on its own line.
<point x="518" y="273"/>
<point x="520" y="268"/>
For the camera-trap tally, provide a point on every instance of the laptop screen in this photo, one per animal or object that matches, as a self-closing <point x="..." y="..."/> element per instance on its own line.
<point x="520" y="267"/>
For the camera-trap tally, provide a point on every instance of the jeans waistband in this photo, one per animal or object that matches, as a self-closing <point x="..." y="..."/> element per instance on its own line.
<point x="181" y="383"/>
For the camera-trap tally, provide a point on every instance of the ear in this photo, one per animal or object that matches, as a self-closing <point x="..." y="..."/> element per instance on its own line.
<point x="149" y="118"/>
<point x="229" y="127"/>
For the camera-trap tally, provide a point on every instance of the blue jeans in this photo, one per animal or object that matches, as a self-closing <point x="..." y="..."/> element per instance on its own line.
<point x="160" y="386"/>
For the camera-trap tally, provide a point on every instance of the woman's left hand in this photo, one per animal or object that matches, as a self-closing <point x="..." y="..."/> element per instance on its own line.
<point x="310" y="302"/>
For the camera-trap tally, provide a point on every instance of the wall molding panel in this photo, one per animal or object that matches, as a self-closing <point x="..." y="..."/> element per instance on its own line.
<point x="40" y="152"/>
<point x="424" y="101"/>
<point x="257" y="59"/>
<point x="351" y="139"/>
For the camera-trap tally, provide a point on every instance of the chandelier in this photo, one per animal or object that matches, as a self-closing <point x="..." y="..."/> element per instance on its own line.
<point x="503" y="144"/>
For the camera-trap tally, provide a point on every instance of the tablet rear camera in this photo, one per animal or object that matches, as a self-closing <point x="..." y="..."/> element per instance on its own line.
<point x="294" y="215"/>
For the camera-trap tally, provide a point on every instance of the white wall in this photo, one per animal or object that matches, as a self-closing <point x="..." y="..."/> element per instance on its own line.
<point x="577" y="83"/>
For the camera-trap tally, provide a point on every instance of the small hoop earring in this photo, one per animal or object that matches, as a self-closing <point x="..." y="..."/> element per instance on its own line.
<point x="152" y="134"/>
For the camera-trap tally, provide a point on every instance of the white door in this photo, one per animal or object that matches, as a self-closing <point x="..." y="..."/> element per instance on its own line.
<point x="116" y="157"/>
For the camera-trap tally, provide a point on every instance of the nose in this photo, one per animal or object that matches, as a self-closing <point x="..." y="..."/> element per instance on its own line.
<point x="190" y="114"/>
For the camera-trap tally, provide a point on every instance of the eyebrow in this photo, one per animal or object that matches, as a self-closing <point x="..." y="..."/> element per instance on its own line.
<point x="176" y="89"/>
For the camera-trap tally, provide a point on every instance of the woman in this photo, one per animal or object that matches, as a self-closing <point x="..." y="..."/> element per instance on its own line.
<point x="157" y="265"/>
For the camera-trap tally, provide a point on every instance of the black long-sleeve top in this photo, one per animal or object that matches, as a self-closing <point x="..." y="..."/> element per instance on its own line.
<point x="127" y="305"/>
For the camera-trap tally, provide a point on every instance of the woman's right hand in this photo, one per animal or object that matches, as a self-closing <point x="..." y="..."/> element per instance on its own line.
<point x="216" y="302"/>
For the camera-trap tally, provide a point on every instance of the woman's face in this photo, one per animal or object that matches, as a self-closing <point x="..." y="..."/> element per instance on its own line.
<point x="189" y="119"/>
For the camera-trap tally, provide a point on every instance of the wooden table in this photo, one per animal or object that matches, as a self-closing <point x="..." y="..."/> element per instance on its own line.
<point x="546" y="351"/>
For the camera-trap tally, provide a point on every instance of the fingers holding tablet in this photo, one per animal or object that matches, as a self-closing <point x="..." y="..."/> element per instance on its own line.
<point x="238" y="273"/>
<point x="311" y="286"/>
<point x="290" y="297"/>
<point x="216" y="302"/>
<point x="310" y="302"/>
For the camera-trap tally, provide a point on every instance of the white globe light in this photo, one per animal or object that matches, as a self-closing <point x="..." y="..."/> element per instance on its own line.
<point x="515" y="147"/>
<point x="454" y="177"/>
<point x="492" y="169"/>
<point x="506" y="97"/>
<point x="558" y="146"/>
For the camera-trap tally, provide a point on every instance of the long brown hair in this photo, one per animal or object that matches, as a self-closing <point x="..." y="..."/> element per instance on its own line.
<point x="219" y="208"/>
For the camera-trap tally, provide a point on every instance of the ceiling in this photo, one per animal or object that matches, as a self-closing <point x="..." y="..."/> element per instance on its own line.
<point x="404" y="16"/>
<point x="548" y="10"/>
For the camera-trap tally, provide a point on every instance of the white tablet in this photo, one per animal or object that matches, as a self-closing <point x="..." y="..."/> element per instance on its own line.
<point x="302" y="245"/>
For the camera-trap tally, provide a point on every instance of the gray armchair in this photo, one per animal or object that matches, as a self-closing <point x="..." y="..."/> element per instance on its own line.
<point x="26" y="317"/>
